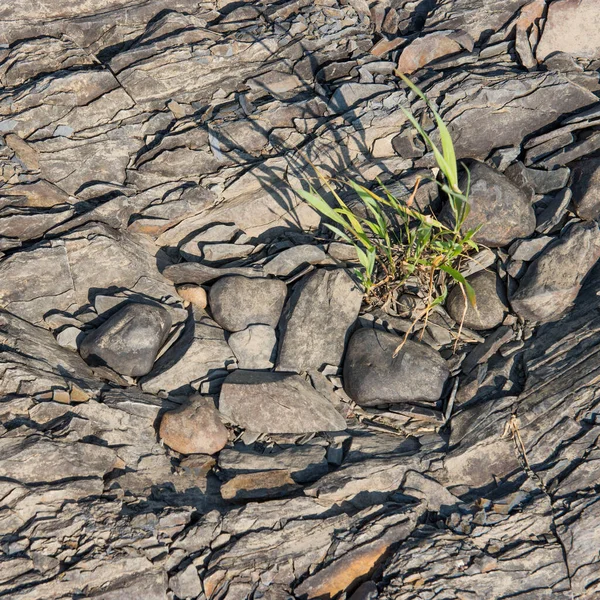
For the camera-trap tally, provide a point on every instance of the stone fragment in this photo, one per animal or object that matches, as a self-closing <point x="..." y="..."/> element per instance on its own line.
<point x="553" y="280"/>
<point x="586" y="186"/>
<point x="200" y="351"/>
<point x="501" y="209"/>
<point x="259" y="485"/>
<point x="372" y="376"/>
<point x="194" y="294"/>
<point x="317" y="320"/>
<point x="571" y="27"/>
<point x="303" y="462"/>
<point x="483" y="352"/>
<point x="237" y="302"/>
<point x="215" y="254"/>
<point x="427" y="49"/>
<point x="527" y="250"/>
<point x="286" y="262"/>
<point x="129" y="341"/>
<point x="70" y="338"/>
<point x="491" y="302"/>
<point x="554" y="212"/>
<point x="201" y="274"/>
<point x="537" y="181"/>
<point x="254" y="347"/>
<point x="348" y="95"/>
<point x="186" y="583"/>
<point x="276" y="403"/>
<point x="194" y="428"/>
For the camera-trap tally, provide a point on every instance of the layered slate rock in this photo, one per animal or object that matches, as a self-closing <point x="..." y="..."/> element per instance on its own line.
<point x="267" y="402"/>
<point x="373" y="376"/>
<point x="585" y="188"/>
<point x="236" y="302"/>
<point x="502" y="209"/>
<point x="195" y="428"/>
<point x="129" y="341"/>
<point x="199" y="352"/>
<point x="491" y="301"/>
<point x="317" y="321"/>
<point x="553" y="280"/>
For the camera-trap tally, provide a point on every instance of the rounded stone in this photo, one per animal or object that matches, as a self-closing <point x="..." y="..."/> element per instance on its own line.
<point x="194" y="428"/>
<point x="237" y="302"/>
<point x="490" y="298"/>
<point x="129" y="340"/>
<point x="194" y="294"/>
<point x="503" y="210"/>
<point x="373" y="376"/>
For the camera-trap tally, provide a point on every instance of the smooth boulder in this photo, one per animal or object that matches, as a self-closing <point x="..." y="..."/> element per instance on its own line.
<point x="194" y="428"/>
<point x="129" y="340"/>
<point x="552" y="282"/>
<point x="372" y="376"/>
<point x="490" y="307"/>
<point x="318" y="320"/>
<point x="236" y="301"/>
<point x="502" y="209"/>
<point x="267" y="402"/>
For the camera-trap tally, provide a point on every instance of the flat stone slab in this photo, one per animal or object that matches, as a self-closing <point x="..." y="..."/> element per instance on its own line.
<point x="267" y="402"/>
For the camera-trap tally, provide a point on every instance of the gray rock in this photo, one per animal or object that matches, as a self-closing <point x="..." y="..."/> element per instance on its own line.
<point x="194" y="428"/>
<point x="237" y="302"/>
<point x="317" y="321"/>
<point x="286" y="262"/>
<point x="129" y="341"/>
<point x="537" y="181"/>
<point x="372" y="376"/>
<point x="553" y="280"/>
<point x="70" y="338"/>
<point x="348" y="95"/>
<point x="491" y="302"/>
<point x="186" y="583"/>
<point x="200" y="274"/>
<point x="214" y="253"/>
<point x="501" y="209"/>
<point x="200" y="351"/>
<point x="254" y="347"/>
<point x="586" y="183"/>
<point x="276" y="403"/>
<point x="259" y="485"/>
<point x="304" y="463"/>
<point x="527" y="250"/>
<point x="554" y="212"/>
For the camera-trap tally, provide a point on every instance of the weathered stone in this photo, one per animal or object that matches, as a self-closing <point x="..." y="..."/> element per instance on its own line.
<point x="259" y="486"/>
<point x="199" y="351"/>
<point x="554" y="279"/>
<point x="286" y="262"/>
<point x="254" y="347"/>
<point x="373" y="376"/>
<point x="237" y="302"/>
<point x="304" y="463"/>
<point x="571" y="26"/>
<point x="317" y="321"/>
<point x="527" y="250"/>
<point x="586" y="181"/>
<point x="501" y="209"/>
<point x="429" y="48"/>
<point x="129" y="341"/>
<point x="194" y="294"/>
<point x="276" y="403"/>
<point x="194" y="428"/>
<point x="491" y="302"/>
<point x="186" y="583"/>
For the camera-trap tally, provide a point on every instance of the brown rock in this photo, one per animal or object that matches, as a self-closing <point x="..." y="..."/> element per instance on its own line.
<point x="194" y="428"/>
<point x="261" y="484"/>
<point x="572" y="26"/>
<point x="426" y="49"/>
<point x="194" y="294"/>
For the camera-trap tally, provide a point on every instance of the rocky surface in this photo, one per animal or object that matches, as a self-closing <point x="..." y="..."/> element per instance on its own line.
<point x="148" y="155"/>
